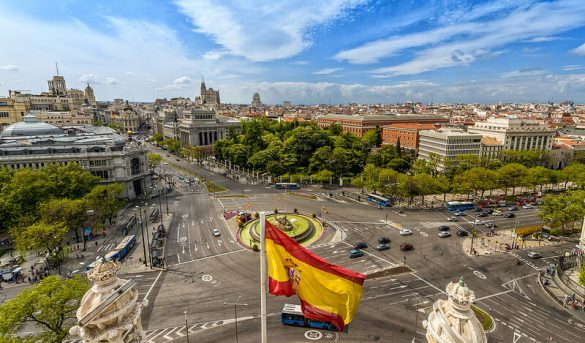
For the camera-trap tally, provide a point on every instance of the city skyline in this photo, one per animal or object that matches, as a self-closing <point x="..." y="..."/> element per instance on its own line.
<point x="334" y="51"/>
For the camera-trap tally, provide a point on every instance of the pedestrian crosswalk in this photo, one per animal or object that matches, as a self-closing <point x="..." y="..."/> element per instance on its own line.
<point x="170" y="334"/>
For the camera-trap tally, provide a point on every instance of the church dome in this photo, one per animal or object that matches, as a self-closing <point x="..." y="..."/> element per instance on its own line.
<point x="30" y="126"/>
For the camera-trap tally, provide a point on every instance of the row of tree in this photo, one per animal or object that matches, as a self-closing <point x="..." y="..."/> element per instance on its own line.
<point x="563" y="210"/>
<point x="41" y="207"/>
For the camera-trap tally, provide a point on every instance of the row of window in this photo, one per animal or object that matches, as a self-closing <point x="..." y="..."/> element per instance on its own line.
<point x="4" y="114"/>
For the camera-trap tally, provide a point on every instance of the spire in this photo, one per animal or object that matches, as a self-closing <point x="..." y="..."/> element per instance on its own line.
<point x="57" y="67"/>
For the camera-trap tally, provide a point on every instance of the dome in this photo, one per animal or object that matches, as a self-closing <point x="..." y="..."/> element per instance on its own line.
<point x="30" y="126"/>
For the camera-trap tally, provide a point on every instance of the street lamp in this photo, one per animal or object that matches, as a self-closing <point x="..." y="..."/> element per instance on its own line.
<point x="235" y="315"/>
<point x="142" y="227"/>
<point x="186" y="326"/>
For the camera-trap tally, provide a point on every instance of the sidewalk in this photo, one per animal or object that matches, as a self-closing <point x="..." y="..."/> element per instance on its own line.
<point x="496" y="244"/>
<point x="558" y="295"/>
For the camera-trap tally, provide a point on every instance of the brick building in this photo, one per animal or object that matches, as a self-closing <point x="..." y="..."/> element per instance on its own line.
<point x="359" y="125"/>
<point x="406" y="132"/>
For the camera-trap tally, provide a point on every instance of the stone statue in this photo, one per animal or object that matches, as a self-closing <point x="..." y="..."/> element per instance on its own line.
<point x="283" y="223"/>
<point x="453" y="321"/>
<point x="109" y="312"/>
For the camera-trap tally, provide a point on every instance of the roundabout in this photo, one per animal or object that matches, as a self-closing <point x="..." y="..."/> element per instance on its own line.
<point x="303" y="229"/>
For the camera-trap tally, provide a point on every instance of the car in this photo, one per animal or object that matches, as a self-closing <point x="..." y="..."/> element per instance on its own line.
<point x="459" y="213"/>
<point x="384" y="240"/>
<point x="534" y="254"/>
<point x="444" y="228"/>
<point x="477" y="209"/>
<point x="191" y="179"/>
<point x="360" y="245"/>
<point x="488" y="211"/>
<point x="356" y="253"/>
<point x="512" y="208"/>
<point x="444" y="234"/>
<point x="406" y="246"/>
<point x="181" y="177"/>
<point x="382" y="246"/>
<point x="462" y="233"/>
<point x="527" y="206"/>
<point x="452" y="219"/>
<point x="489" y="225"/>
<point x="216" y="232"/>
<point x="498" y="213"/>
<point x="166" y="163"/>
<point x="405" y="232"/>
<point x="509" y="215"/>
<point x="482" y="214"/>
<point x="477" y="222"/>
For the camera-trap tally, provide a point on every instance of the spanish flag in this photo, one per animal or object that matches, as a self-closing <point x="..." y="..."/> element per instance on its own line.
<point x="328" y="293"/>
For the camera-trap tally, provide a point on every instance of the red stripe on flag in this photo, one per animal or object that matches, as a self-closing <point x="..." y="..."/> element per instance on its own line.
<point x="280" y="287"/>
<point x="305" y="255"/>
<point x="311" y="312"/>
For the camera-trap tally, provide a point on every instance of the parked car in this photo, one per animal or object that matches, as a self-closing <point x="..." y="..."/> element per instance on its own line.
<point x="382" y="246"/>
<point x="360" y="245"/>
<point x="444" y="234"/>
<point x="191" y="179"/>
<point x="356" y="253"/>
<point x="384" y="240"/>
<point x="405" y="232"/>
<point x="477" y="222"/>
<point x="216" y="232"/>
<point x="512" y="208"/>
<point x="489" y="225"/>
<point x="488" y="211"/>
<point x="509" y="215"/>
<point x="181" y="177"/>
<point x="444" y="228"/>
<point x="534" y="254"/>
<point x="462" y="233"/>
<point x="498" y="213"/>
<point x="406" y="246"/>
<point x="482" y="214"/>
<point x="459" y="213"/>
<point x="527" y="206"/>
<point x="452" y="219"/>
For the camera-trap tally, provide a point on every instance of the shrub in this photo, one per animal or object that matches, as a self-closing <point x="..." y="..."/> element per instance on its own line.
<point x="255" y="248"/>
<point x="256" y="215"/>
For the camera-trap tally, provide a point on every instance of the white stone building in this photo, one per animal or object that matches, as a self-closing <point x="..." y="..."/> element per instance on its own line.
<point x="447" y="143"/>
<point x="200" y="127"/>
<point x="517" y="134"/>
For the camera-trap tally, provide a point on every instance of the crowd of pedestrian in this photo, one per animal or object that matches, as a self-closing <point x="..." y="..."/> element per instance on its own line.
<point x="37" y="274"/>
<point x="572" y="302"/>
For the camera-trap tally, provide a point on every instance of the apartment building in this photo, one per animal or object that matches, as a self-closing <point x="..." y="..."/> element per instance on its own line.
<point x="447" y="143"/>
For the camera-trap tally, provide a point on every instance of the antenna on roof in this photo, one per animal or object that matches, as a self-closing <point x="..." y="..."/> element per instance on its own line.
<point x="57" y="67"/>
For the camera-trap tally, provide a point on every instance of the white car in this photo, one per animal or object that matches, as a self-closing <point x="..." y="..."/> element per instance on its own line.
<point x="533" y="254"/>
<point x="477" y="222"/>
<point x="527" y="206"/>
<point x="452" y="219"/>
<point x="405" y="232"/>
<point x="498" y="213"/>
<point x="216" y="232"/>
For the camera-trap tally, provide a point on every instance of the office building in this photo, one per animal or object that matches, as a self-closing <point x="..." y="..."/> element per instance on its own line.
<point x="447" y="143"/>
<point x="517" y="134"/>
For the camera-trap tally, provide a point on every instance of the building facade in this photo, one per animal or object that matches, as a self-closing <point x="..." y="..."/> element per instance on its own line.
<point x="447" y="143"/>
<point x="406" y="133"/>
<point x="256" y="102"/>
<point x="34" y="144"/>
<point x="63" y="118"/>
<point x="88" y="95"/>
<point x="11" y="111"/>
<point x="517" y="134"/>
<point x="200" y="127"/>
<point x="360" y="124"/>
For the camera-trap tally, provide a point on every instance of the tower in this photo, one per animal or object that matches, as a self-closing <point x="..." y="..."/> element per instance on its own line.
<point x="256" y="102"/>
<point x="88" y="93"/>
<point x="203" y="88"/>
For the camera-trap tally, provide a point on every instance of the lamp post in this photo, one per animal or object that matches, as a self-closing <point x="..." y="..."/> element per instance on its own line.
<point x="186" y="326"/>
<point x="142" y="227"/>
<point x="235" y="315"/>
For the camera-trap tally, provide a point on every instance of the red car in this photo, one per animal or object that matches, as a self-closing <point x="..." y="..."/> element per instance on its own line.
<point x="406" y="246"/>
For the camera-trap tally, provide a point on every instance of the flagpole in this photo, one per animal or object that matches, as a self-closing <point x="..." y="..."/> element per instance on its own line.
<point x="263" y="277"/>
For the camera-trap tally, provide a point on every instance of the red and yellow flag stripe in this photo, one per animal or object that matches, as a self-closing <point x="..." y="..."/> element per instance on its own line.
<point x="327" y="292"/>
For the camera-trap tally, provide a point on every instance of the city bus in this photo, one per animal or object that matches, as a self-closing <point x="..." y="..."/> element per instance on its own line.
<point x="459" y="205"/>
<point x="287" y="185"/>
<point x="379" y="199"/>
<point x="122" y="249"/>
<point x="292" y="315"/>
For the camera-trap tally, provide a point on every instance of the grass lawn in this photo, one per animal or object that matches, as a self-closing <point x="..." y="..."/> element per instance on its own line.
<point x="214" y="187"/>
<point x="484" y="318"/>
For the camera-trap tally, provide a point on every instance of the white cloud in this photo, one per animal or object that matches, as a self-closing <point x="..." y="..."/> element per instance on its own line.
<point x="462" y="43"/>
<point x="573" y="67"/>
<point x="523" y="73"/>
<point x="91" y="78"/>
<point x="541" y="39"/>
<point x="263" y="30"/>
<point x="183" y="80"/>
<point x="214" y="54"/>
<point x="300" y="63"/>
<point x="327" y="71"/>
<point x="579" y="50"/>
<point x="9" y="67"/>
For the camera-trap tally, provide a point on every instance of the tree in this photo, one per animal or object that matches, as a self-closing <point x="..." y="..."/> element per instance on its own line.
<point x="372" y="138"/>
<point x="154" y="159"/>
<point x="41" y="235"/>
<point x="512" y="175"/>
<point x="105" y="201"/>
<point x="49" y="305"/>
<point x="70" y="212"/>
<point x="575" y="172"/>
<point x="158" y="138"/>
<point x="323" y="176"/>
<point x="172" y="144"/>
<point x="321" y="159"/>
<point x="566" y="208"/>
<point x="538" y="176"/>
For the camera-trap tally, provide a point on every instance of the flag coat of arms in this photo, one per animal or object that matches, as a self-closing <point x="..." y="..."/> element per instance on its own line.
<point x="328" y="293"/>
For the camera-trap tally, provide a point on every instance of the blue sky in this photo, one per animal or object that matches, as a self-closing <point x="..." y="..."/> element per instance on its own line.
<point x="337" y="51"/>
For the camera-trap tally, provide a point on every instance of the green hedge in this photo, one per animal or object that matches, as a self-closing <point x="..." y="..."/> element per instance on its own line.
<point x="485" y="319"/>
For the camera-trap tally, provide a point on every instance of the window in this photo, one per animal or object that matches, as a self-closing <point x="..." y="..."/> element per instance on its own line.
<point x="4" y="114"/>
